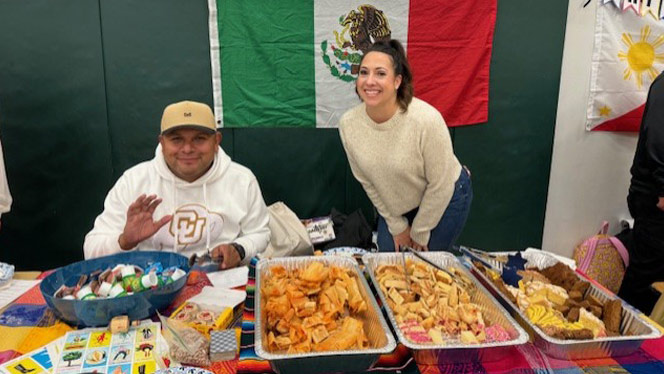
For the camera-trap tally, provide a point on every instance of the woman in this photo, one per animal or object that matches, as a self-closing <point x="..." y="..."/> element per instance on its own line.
<point x="400" y="150"/>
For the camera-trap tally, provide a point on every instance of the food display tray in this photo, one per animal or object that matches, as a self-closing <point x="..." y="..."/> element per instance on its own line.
<point x="492" y="311"/>
<point x="634" y="328"/>
<point x="376" y="328"/>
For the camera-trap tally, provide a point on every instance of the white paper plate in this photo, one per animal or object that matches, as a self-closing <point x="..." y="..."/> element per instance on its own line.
<point x="6" y="273"/>
<point x="183" y="370"/>
<point x="348" y="251"/>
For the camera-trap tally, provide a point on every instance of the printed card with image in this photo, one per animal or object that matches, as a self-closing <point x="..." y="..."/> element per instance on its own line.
<point x="36" y="362"/>
<point x="98" y="350"/>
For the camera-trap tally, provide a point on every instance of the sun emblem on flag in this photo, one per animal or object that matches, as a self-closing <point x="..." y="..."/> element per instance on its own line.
<point x="364" y="26"/>
<point x="641" y="56"/>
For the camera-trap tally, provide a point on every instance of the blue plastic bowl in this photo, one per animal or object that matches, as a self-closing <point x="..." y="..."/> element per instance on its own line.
<point x="99" y="312"/>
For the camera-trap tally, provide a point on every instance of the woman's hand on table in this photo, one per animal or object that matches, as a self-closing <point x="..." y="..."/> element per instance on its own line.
<point x="419" y="247"/>
<point x="403" y="239"/>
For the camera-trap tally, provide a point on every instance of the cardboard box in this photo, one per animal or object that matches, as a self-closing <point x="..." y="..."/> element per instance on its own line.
<point x="204" y="318"/>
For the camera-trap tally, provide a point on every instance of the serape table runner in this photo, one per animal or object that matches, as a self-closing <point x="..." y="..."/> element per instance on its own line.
<point x="27" y="324"/>
<point x="526" y="359"/>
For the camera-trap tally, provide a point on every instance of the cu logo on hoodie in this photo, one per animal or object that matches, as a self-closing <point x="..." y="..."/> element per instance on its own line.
<point x="189" y="225"/>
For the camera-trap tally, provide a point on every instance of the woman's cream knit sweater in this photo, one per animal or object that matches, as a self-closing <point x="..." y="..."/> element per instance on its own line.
<point x="403" y="163"/>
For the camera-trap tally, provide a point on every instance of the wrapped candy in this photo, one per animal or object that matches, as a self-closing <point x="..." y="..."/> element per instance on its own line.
<point x="85" y="293"/>
<point x="117" y="291"/>
<point x="128" y="275"/>
<point x="120" y="280"/>
<point x="104" y="289"/>
<point x="172" y="274"/>
<point x="149" y="280"/>
<point x="177" y="274"/>
<point x="154" y="267"/>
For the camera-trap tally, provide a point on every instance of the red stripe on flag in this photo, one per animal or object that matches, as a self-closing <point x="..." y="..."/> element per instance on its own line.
<point x="449" y="49"/>
<point x="630" y="121"/>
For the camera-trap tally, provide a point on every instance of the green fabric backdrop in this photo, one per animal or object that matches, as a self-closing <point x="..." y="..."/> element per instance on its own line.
<point x="83" y="84"/>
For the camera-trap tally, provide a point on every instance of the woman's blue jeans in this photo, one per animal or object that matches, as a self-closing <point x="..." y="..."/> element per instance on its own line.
<point x="450" y="225"/>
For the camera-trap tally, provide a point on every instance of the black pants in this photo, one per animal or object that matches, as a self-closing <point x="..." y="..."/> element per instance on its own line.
<point x="645" y="243"/>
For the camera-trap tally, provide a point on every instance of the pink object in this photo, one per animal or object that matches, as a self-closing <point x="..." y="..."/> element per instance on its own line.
<point x="603" y="258"/>
<point x="592" y="246"/>
<point x="496" y="333"/>
<point x="419" y="337"/>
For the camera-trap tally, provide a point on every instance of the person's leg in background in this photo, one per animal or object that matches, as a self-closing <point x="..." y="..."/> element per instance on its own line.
<point x="445" y="234"/>
<point x="645" y="244"/>
<point x="385" y="241"/>
<point x="636" y="290"/>
<point x="450" y="225"/>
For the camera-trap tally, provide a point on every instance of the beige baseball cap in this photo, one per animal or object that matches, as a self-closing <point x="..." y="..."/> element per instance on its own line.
<point x="188" y="114"/>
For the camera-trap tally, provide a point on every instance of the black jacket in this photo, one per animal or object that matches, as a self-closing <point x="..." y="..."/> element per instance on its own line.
<point x="648" y="167"/>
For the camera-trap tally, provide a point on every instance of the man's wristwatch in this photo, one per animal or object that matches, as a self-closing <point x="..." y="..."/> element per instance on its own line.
<point x="240" y="250"/>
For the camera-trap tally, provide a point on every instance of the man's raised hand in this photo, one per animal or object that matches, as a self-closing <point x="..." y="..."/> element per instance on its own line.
<point x="140" y="225"/>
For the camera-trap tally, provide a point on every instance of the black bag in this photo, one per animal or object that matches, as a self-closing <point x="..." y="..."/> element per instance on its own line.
<point x="351" y="230"/>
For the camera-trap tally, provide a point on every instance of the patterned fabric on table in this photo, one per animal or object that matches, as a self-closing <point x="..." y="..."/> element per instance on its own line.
<point x="27" y="323"/>
<point x="526" y="359"/>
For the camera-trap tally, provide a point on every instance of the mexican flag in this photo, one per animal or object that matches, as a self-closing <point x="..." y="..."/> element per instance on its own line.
<point x="292" y="63"/>
<point x="627" y="55"/>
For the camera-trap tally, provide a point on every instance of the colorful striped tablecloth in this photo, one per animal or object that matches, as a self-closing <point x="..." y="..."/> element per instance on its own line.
<point x="27" y="324"/>
<point x="526" y="359"/>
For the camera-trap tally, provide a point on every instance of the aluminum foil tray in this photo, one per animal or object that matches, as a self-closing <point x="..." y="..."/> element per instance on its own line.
<point x="378" y="332"/>
<point x="633" y="327"/>
<point x="432" y="354"/>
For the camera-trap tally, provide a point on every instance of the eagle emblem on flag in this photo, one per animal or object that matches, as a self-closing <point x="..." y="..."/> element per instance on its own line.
<point x="360" y="29"/>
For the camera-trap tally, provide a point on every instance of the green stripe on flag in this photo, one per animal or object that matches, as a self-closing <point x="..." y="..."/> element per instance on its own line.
<point x="267" y="71"/>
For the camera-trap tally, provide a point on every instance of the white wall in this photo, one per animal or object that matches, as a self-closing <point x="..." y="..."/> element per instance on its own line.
<point x="589" y="170"/>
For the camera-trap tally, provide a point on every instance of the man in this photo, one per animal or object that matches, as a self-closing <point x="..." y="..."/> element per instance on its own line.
<point x="203" y="200"/>
<point x="645" y="241"/>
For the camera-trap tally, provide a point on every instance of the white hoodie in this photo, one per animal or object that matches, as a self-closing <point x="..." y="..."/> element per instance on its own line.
<point x="224" y="205"/>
